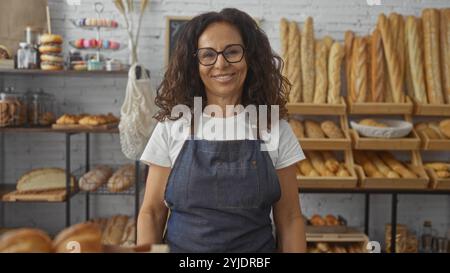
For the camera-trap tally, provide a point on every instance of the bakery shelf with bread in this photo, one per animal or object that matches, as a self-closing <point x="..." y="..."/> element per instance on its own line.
<point x="435" y="134"/>
<point x="437" y="166"/>
<point x="406" y="240"/>
<point x="374" y="108"/>
<point x="318" y="108"/>
<point x="383" y="170"/>
<point x="321" y="133"/>
<point x="324" y="169"/>
<point x="327" y="224"/>
<point x="86" y="122"/>
<point x="350" y="241"/>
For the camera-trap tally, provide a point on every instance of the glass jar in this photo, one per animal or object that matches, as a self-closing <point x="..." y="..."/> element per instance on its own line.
<point x="27" y="57"/>
<point x="40" y="109"/>
<point x="13" y="110"/>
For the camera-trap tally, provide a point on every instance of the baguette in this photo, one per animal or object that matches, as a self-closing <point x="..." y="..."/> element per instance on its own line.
<point x="369" y="65"/>
<point x="284" y="36"/>
<point x="297" y="128"/>
<point x="383" y="168"/>
<point x="397" y="166"/>
<point x="342" y="172"/>
<point x="330" y="162"/>
<point x="359" y="69"/>
<point x="307" y="60"/>
<point x="335" y="59"/>
<point x="445" y="52"/>
<point x="294" y="76"/>
<point x="328" y="41"/>
<point x="438" y="166"/>
<point x="415" y="59"/>
<point x="392" y="61"/>
<point x="321" y="82"/>
<point x="348" y="46"/>
<point x="377" y="67"/>
<point x="369" y="168"/>
<point x="318" y="163"/>
<point x="397" y="26"/>
<point x="430" y="21"/>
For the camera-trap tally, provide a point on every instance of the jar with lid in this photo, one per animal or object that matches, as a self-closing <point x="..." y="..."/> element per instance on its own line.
<point x="13" y="110"/>
<point x="40" y="109"/>
<point x="27" y="57"/>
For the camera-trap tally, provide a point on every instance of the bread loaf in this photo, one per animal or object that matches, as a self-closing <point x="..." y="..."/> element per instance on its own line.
<point x="377" y="67"/>
<point x="348" y="47"/>
<point x="313" y="129"/>
<point x="335" y="59"/>
<point x="114" y="230"/>
<point x="307" y="60"/>
<point x="392" y="60"/>
<point x="445" y="52"/>
<point x="93" y="179"/>
<point x="369" y="168"/>
<point x="415" y="58"/>
<point x="122" y="179"/>
<point x="444" y="127"/>
<point x="430" y="21"/>
<point x="294" y="76"/>
<point x="43" y="179"/>
<point x="372" y="122"/>
<point x="284" y="37"/>
<point x="342" y="172"/>
<point x="297" y="128"/>
<point x="306" y="168"/>
<point x="129" y="233"/>
<point x="359" y="69"/>
<point x="397" y="27"/>
<point x="435" y="126"/>
<point x="438" y="166"/>
<point x="317" y="162"/>
<point x="25" y="240"/>
<point x="383" y="168"/>
<point x="321" y="82"/>
<point x="369" y="65"/>
<point x="79" y="238"/>
<point x="397" y="166"/>
<point x="331" y="162"/>
<point x="331" y="130"/>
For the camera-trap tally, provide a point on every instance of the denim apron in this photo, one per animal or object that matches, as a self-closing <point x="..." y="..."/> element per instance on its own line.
<point x="220" y="194"/>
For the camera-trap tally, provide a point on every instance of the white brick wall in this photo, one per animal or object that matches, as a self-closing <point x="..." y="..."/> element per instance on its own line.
<point x="23" y="152"/>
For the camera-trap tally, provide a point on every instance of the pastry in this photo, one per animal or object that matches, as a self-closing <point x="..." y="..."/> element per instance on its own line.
<point x="93" y="179"/>
<point x="294" y="76"/>
<point x="444" y="127"/>
<point x="330" y="162"/>
<point x="335" y="59"/>
<point x="359" y="72"/>
<point x="317" y="220"/>
<point x="50" y="49"/>
<point x="313" y="129"/>
<point x="307" y="61"/>
<point x="414" y="52"/>
<point x="445" y="52"/>
<point x="331" y="129"/>
<point x="79" y="238"/>
<point x="25" y="240"/>
<point x="297" y="128"/>
<point x="43" y="179"/>
<point x="377" y="67"/>
<point x="430" y="21"/>
<point x="321" y="82"/>
<point x="122" y="179"/>
<point x="331" y="220"/>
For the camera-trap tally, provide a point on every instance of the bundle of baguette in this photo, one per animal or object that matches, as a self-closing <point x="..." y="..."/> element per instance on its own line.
<point x="322" y="247"/>
<point x="313" y="129"/>
<point x="383" y="165"/>
<point x="85" y="119"/>
<point x="322" y="164"/>
<point x="312" y="66"/>
<point x="117" y="230"/>
<point x="441" y="169"/>
<point x="402" y="53"/>
<point x="434" y="129"/>
<point x="120" y="180"/>
<point x="43" y="180"/>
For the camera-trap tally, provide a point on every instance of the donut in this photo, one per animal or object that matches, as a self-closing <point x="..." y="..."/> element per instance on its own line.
<point x="51" y="66"/>
<point x="52" y="58"/>
<point x="51" y="38"/>
<point x="50" y="48"/>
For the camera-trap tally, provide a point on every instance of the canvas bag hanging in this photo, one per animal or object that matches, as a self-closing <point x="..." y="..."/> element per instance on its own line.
<point x="136" y="122"/>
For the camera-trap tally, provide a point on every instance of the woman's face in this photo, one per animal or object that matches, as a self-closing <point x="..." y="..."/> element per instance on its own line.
<point x="223" y="79"/>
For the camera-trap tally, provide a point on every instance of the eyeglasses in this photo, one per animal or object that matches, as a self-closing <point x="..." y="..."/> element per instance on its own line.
<point x="208" y="56"/>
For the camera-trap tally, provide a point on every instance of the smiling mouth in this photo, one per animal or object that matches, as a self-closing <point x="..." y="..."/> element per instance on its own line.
<point x="223" y="77"/>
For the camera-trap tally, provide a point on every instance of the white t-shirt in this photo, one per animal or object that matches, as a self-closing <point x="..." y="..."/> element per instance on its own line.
<point x="167" y="139"/>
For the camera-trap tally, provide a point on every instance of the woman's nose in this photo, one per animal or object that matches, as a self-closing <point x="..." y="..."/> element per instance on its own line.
<point x="221" y="61"/>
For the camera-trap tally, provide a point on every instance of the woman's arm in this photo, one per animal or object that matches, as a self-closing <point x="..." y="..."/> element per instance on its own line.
<point x="153" y="213"/>
<point x="288" y="218"/>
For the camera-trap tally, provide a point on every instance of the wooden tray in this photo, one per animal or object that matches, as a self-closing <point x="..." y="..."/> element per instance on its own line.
<point x="84" y="127"/>
<point x="329" y="144"/>
<point x="412" y="142"/>
<point x="385" y="108"/>
<point x="317" y="108"/>
<point x="45" y="196"/>
<point x="326" y="229"/>
<point x="434" y="144"/>
<point x="442" y="110"/>
<point x="437" y="182"/>
<point x="332" y="182"/>
<point x="350" y="236"/>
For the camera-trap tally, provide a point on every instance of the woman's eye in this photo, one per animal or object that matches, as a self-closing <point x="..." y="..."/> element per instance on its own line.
<point x="208" y="54"/>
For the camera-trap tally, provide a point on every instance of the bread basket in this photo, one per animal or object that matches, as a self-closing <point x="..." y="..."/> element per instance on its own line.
<point x="395" y="129"/>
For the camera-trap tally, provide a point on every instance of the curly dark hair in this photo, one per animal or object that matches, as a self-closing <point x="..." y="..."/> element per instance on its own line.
<point x="264" y="84"/>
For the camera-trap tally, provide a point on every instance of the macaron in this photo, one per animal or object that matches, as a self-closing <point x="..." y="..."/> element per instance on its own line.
<point x="79" y="43"/>
<point x="92" y="43"/>
<point x="105" y="44"/>
<point x="86" y="43"/>
<point x="114" y="45"/>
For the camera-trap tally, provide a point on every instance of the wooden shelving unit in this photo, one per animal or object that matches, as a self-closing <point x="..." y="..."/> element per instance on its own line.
<point x="73" y="73"/>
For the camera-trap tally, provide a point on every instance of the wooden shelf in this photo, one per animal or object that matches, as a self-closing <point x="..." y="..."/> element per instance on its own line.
<point x="434" y="144"/>
<point x="441" y="110"/>
<point x="318" y="108"/>
<point x="385" y="108"/>
<point x="72" y="73"/>
<point x="359" y="190"/>
<point x="412" y="142"/>
<point x="8" y="194"/>
<point x="60" y="131"/>
<point x="5" y="189"/>
<point x="437" y="182"/>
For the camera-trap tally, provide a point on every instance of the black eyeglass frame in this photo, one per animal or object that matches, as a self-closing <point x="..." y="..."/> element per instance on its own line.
<point x="220" y="53"/>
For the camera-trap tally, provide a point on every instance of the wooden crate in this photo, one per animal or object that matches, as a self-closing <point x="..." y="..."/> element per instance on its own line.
<point x="422" y="182"/>
<point x="437" y="182"/>
<point x="441" y="110"/>
<point x="384" y="108"/>
<point x="329" y="144"/>
<point x="332" y="182"/>
<point x="434" y="144"/>
<point x="317" y="108"/>
<point x="412" y="142"/>
<point x="351" y="237"/>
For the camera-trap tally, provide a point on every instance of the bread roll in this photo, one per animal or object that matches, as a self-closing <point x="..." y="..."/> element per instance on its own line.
<point x="297" y="128"/>
<point x="284" y="37"/>
<point x="93" y="179"/>
<point x="294" y="76"/>
<point x="313" y="129"/>
<point x="360" y="69"/>
<point x="321" y="82"/>
<point x="438" y="166"/>
<point x="430" y="21"/>
<point x="372" y="122"/>
<point x="331" y="129"/>
<point x="331" y="220"/>
<point x="392" y="60"/>
<point x="122" y="179"/>
<point x="377" y="67"/>
<point x="317" y="162"/>
<point x="415" y="59"/>
<point x="331" y="162"/>
<point x="79" y="238"/>
<point x="444" y="127"/>
<point x="397" y="166"/>
<point x="307" y="60"/>
<point x="445" y="52"/>
<point x="348" y="47"/>
<point x="335" y="59"/>
<point x="25" y="240"/>
<point x="305" y="167"/>
<point x="43" y="179"/>
<point x="317" y="220"/>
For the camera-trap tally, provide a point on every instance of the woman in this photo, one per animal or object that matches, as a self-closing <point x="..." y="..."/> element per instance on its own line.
<point x="221" y="189"/>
